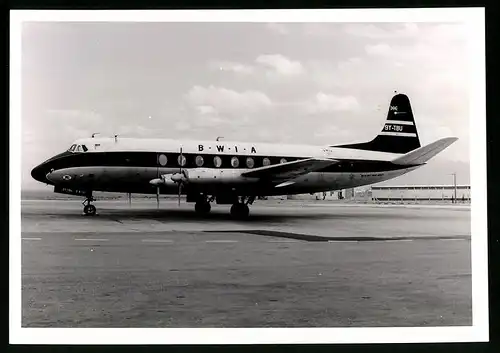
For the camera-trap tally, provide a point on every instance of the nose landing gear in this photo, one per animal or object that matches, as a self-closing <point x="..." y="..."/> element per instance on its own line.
<point x="88" y="208"/>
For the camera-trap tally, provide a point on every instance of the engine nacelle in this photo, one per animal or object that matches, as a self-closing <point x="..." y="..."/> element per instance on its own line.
<point x="216" y="176"/>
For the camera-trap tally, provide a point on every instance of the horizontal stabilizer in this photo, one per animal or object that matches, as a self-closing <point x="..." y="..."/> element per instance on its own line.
<point x="423" y="154"/>
<point x="289" y="170"/>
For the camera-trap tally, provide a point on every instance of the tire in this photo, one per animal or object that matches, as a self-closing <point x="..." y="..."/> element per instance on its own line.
<point x="90" y="210"/>
<point x="239" y="211"/>
<point x="202" y="207"/>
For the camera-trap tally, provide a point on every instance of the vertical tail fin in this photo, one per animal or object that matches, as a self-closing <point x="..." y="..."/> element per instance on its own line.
<point x="399" y="134"/>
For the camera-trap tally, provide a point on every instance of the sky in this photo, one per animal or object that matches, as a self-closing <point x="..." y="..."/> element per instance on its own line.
<point x="305" y="83"/>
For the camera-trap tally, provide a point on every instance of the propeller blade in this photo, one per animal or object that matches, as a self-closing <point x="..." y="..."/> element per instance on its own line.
<point x="180" y="181"/>
<point x="157" y="181"/>
<point x="157" y="165"/>
<point x="180" y="164"/>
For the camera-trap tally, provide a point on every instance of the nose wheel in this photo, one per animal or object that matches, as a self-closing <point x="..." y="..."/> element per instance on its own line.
<point x="89" y="209"/>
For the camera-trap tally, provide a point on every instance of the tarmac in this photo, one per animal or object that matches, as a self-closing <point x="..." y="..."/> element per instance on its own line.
<point x="291" y="264"/>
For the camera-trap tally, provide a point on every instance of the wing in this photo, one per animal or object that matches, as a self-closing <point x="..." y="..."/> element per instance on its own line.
<point x="289" y="170"/>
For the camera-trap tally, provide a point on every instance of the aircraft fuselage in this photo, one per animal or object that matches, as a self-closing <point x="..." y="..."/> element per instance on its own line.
<point x="127" y="165"/>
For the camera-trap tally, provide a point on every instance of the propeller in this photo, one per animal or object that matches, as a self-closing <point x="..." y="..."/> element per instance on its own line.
<point x="158" y="186"/>
<point x="178" y="178"/>
<point x="180" y="181"/>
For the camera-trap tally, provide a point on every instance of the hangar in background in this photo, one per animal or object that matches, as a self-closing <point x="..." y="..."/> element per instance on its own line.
<point x="425" y="192"/>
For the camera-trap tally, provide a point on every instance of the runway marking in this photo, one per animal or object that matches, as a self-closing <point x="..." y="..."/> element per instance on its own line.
<point x="31" y="238"/>
<point x="221" y="241"/>
<point x="157" y="241"/>
<point x="90" y="239"/>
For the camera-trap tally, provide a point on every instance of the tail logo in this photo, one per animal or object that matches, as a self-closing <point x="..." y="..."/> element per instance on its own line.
<point x="393" y="108"/>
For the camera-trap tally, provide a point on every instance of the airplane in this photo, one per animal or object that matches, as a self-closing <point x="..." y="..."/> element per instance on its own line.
<point x="236" y="173"/>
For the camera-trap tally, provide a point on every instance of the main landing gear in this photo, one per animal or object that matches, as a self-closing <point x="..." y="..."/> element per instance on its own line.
<point x="240" y="210"/>
<point x="202" y="206"/>
<point x="89" y="209"/>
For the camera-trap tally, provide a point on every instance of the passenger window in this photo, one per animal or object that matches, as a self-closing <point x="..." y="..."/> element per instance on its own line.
<point x="217" y="161"/>
<point x="181" y="160"/>
<point x="199" y="161"/>
<point x="266" y="161"/>
<point x="235" y="162"/>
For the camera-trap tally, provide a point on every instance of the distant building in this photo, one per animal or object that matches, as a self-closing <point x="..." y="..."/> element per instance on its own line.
<point x="417" y="192"/>
<point x="349" y="194"/>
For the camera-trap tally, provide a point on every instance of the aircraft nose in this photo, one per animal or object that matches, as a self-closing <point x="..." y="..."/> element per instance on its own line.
<point x="38" y="173"/>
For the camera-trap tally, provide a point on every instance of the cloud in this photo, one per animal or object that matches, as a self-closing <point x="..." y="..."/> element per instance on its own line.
<point x="271" y="65"/>
<point x="226" y="101"/>
<point x="333" y="134"/>
<point x="136" y="131"/>
<point x="281" y="64"/>
<point x="80" y="116"/>
<point x="381" y="49"/>
<point x="324" y="103"/>
<point x="235" y="67"/>
<point x="405" y="30"/>
<point x="182" y="125"/>
<point x="278" y="28"/>
<point x="444" y="33"/>
<point x="362" y="30"/>
<point x="320" y="30"/>
<point x="349" y="63"/>
<point x="206" y="109"/>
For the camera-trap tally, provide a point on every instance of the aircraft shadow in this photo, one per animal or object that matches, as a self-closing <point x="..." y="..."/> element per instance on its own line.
<point x="190" y="215"/>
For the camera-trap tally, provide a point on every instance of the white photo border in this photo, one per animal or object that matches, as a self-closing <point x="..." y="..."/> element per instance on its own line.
<point x="478" y="332"/>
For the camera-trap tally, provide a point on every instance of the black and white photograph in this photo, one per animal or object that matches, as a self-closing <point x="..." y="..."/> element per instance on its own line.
<point x="309" y="176"/>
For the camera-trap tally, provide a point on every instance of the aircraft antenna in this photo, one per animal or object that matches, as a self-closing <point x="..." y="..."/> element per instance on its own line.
<point x="95" y="133"/>
<point x="116" y="138"/>
<point x="219" y="137"/>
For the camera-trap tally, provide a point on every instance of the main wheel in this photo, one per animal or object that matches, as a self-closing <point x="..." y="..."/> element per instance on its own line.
<point x="90" y="210"/>
<point x="239" y="211"/>
<point x="202" y="207"/>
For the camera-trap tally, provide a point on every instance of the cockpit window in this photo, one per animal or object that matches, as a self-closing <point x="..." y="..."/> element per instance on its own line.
<point x="78" y="148"/>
